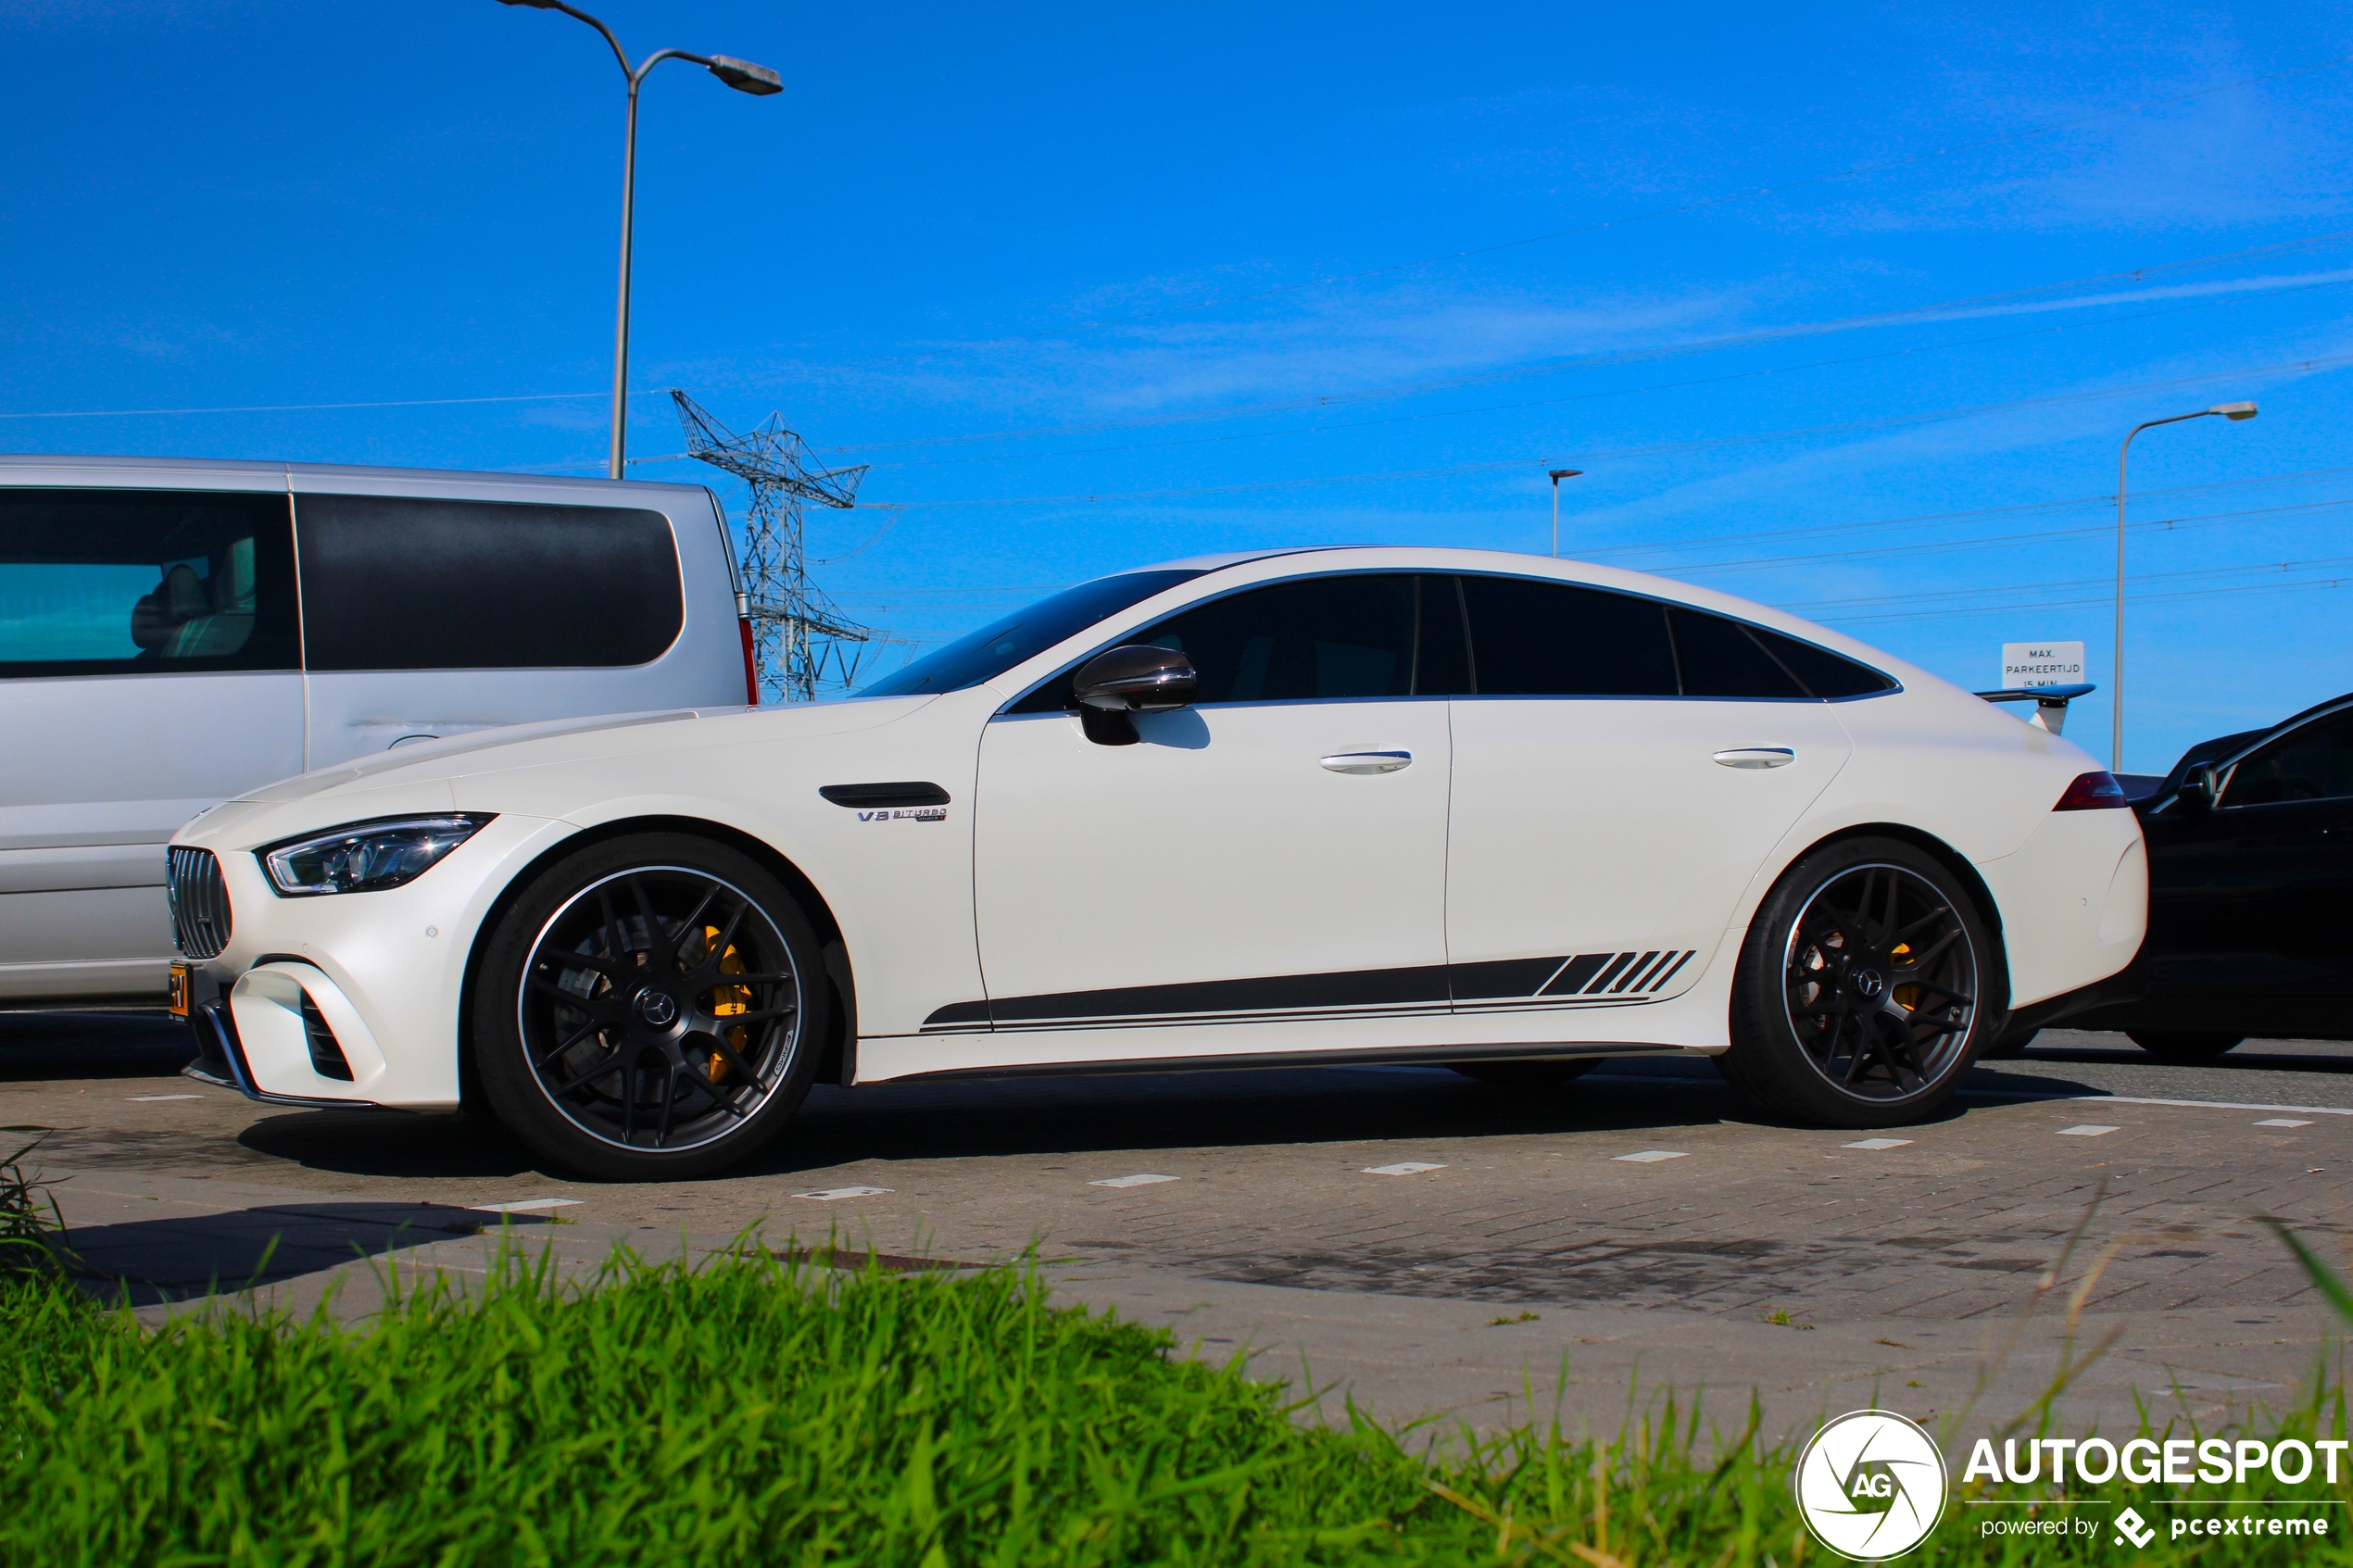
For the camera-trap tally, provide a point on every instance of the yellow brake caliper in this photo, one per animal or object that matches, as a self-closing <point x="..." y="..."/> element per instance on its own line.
<point x="727" y="1001"/>
<point x="1906" y="997"/>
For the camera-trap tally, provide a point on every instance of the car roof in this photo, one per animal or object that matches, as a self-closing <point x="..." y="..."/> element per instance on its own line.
<point x="70" y="462"/>
<point x="2227" y="745"/>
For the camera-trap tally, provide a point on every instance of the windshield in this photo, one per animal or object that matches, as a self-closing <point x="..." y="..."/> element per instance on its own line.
<point x="997" y="647"/>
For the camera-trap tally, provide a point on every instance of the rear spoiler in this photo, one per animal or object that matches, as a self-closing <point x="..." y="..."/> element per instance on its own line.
<point x="2050" y="702"/>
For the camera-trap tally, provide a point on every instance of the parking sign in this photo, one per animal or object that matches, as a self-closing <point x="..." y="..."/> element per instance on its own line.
<point x="2041" y="664"/>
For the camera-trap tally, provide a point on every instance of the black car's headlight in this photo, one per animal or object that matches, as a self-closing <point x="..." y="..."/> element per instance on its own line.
<point x="363" y="857"/>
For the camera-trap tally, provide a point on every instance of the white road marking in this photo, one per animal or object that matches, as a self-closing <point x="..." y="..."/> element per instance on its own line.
<point x="1143" y="1179"/>
<point x="830" y="1195"/>
<point x="523" y="1206"/>
<point x="1402" y="1168"/>
<point x="2085" y="1130"/>
<point x="2178" y="1104"/>
<point x="1650" y="1156"/>
<point x="1879" y="1142"/>
<point x="150" y="1098"/>
<point x="2282" y="1121"/>
<point x="2017" y="1095"/>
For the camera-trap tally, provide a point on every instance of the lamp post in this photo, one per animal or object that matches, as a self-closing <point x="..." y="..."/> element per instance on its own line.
<point x="2116" y="724"/>
<point x="1557" y="475"/>
<point x="741" y="75"/>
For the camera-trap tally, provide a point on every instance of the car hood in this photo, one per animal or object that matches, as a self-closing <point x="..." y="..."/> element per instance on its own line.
<point x="584" y="740"/>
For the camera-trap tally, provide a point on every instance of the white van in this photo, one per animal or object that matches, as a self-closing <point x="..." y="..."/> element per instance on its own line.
<point x="173" y="633"/>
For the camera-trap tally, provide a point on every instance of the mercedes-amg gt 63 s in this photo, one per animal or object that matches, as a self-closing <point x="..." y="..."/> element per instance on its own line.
<point x="1506" y="814"/>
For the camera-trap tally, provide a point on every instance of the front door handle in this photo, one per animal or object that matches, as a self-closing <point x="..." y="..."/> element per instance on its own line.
<point x="1367" y="761"/>
<point x="1757" y="757"/>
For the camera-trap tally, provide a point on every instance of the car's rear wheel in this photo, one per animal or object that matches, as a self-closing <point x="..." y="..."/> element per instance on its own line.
<point x="649" y="1009"/>
<point x="1527" y="1075"/>
<point x="2172" y="1045"/>
<point x="1856" y="1003"/>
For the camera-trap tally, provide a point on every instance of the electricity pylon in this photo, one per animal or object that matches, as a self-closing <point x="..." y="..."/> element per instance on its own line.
<point x="800" y="642"/>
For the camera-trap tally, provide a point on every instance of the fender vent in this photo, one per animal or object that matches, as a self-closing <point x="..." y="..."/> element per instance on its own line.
<point x="912" y="793"/>
<point x="326" y="1051"/>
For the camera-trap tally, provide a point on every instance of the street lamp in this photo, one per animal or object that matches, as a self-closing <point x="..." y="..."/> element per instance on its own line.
<point x="741" y="75"/>
<point x="1559" y="474"/>
<point x="2233" y="412"/>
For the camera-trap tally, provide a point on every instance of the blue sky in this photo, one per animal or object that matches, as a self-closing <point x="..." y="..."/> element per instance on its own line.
<point x="1842" y="308"/>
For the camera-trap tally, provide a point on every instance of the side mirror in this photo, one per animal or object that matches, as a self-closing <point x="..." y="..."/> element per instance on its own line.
<point x="1135" y="680"/>
<point x="2202" y="790"/>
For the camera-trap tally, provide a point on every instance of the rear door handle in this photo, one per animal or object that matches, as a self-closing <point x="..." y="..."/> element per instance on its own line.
<point x="1757" y="757"/>
<point x="1367" y="761"/>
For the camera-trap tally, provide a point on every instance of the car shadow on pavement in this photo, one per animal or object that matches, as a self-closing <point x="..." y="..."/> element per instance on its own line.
<point x="1219" y="1109"/>
<point x="389" y="1143"/>
<point x="182" y="1258"/>
<point x="35" y="1045"/>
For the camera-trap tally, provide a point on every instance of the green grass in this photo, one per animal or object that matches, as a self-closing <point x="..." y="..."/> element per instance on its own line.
<point x="748" y="1410"/>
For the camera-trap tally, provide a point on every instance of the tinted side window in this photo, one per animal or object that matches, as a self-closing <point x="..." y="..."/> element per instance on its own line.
<point x="1323" y="637"/>
<point x="1556" y="639"/>
<point x="1822" y="673"/>
<point x="125" y="582"/>
<point x="408" y="583"/>
<point x="1720" y="658"/>
<point x="2314" y="763"/>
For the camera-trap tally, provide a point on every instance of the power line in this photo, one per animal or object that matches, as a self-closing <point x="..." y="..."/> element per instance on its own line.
<point x="2292" y="367"/>
<point x="2078" y="603"/>
<point x="1679" y="209"/>
<point x="1910" y="314"/>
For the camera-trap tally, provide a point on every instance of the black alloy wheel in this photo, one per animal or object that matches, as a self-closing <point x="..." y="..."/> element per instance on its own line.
<point x="1857" y="1001"/>
<point x="1540" y="1074"/>
<point x="649" y="1008"/>
<point x="2183" y="1045"/>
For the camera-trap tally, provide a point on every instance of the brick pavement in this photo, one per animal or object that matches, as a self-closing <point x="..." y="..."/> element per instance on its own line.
<point x="1762" y="1257"/>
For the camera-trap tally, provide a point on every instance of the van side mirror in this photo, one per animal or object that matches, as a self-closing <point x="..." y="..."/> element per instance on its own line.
<point x="1137" y="679"/>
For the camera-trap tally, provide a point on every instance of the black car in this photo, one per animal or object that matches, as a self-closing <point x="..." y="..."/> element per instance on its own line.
<point x="2250" y="843"/>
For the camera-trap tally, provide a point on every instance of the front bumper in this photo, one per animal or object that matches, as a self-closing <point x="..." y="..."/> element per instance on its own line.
<point x="221" y="1058"/>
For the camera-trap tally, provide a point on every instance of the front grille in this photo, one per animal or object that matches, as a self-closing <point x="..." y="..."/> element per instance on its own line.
<point x="199" y="903"/>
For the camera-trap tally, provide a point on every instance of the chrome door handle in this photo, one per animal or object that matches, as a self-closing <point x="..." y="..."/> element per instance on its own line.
<point x="1367" y="761"/>
<point x="1757" y="757"/>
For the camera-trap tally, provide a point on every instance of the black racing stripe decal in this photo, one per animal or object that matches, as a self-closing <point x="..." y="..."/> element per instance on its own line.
<point x="1645" y="961"/>
<point x="1356" y="989"/>
<point x="1659" y="982"/>
<point x="1608" y="974"/>
<point x="1575" y="973"/>
<point x="1585" y="980"/>
<point x="913" y="792"/>
<point x="1503" y="977"/>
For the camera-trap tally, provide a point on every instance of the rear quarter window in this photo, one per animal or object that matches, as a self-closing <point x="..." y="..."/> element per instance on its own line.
<point x="419" y="583"/>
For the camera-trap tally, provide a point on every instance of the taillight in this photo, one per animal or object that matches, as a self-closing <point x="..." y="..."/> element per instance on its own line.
<point x="2092" y="791"/>
<point x="752" y="665"/>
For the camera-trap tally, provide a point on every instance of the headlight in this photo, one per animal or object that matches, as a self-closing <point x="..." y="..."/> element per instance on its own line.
<point x="364" y="857"/>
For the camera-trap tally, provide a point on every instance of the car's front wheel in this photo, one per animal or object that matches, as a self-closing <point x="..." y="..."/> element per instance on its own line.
<point x="1857" y="1001"/>
<point x="648" y="1008"/>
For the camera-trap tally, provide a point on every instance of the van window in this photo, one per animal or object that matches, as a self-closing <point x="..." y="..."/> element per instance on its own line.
<point x="419" y="583"/>
<point x="131" y="582"/>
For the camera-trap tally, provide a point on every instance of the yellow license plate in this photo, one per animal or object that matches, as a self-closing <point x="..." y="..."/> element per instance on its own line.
<point x="179" y="990"/>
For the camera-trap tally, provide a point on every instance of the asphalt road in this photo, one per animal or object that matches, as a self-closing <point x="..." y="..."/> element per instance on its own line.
<point x="1401" y="1236"/>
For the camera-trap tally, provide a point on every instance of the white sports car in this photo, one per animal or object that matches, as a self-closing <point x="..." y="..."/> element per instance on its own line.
<point x="1502" y="813"/>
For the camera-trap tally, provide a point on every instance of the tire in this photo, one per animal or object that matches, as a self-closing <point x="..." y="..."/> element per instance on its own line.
<point x="1822" y="1032"/>
<point x="2171" y="1045"/>
<point x="1527" y="1075"/>
<point x="602" y="1015"/>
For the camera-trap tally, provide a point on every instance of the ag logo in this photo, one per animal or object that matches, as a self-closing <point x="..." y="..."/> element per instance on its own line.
<point x="2130" y="1527"/>
<point x="1870" y="1485"/>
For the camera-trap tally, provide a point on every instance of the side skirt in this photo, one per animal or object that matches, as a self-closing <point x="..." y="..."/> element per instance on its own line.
<point x="1385" y="1055"/>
